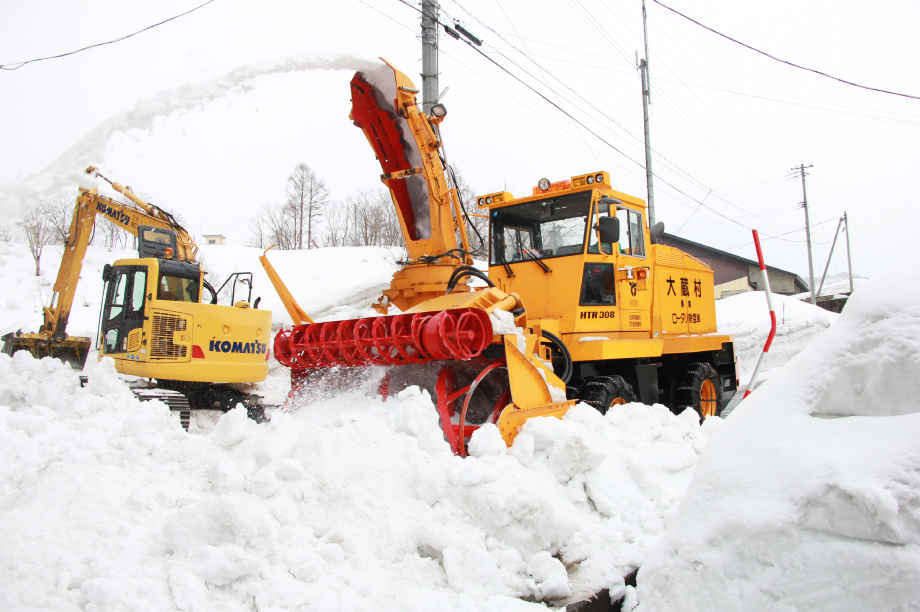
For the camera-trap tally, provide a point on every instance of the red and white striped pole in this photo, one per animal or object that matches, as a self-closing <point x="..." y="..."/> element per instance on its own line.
<point x="766" y="347"/>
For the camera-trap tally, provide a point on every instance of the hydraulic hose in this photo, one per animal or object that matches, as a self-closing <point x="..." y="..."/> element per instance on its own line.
<point x="467" y="271"/>
<point x="558" y="343"/>
<point x="210" y="288"/>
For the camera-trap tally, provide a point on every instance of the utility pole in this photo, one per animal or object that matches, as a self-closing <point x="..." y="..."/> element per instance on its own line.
<point x="646" y="101"/>
<point x="828" y="265"/>
<point x="846" y="225"/>
<point x="811" y="270"/>
<point x="429" y="54"/>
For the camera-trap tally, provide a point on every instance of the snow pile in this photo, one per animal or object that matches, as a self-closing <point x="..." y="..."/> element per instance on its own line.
<point x="107" y="504"/>
<point x="746" y="317"/>
<point x="808" y="496"/>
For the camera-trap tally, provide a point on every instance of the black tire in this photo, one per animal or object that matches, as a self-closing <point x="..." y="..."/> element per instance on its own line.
<point x="604" y="391"/>
<point x="574" y="388"/>
<point x="689" y="390"/>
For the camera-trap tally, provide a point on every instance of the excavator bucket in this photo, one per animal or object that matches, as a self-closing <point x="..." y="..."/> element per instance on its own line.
<point x="72" y="350"/>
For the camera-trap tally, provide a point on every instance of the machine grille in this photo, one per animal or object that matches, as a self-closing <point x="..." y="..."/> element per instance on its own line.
<point x="666" y="258"/>
<point x="164" y="326"/>
<point x="134" y="340"/>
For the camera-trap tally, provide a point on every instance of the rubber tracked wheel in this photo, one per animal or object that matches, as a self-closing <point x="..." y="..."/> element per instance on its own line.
<point x="700" y="388"/>
<point x="602" y="392"/>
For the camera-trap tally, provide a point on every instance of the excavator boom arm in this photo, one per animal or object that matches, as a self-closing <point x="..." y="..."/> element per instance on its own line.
<point x="128" y="217"/>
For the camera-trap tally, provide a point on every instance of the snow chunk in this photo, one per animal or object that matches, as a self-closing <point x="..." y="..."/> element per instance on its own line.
<point x="221" y="565"/>
<point x="232" y="428"/>
<point x="487" y="440"/>
<point x="549" y="575"/>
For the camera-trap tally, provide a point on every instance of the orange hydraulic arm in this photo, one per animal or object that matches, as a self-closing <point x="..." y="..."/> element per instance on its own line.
<point x="408" y="149"/>
<point x="126" y="216"/>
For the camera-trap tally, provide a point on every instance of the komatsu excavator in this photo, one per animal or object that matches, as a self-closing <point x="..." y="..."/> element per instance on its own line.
<point x="580" y="303"/>
<point x="154" y="322"/>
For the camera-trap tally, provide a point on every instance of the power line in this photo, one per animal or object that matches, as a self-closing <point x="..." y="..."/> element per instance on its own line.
<point x="893" y="93"/>
<point x="19" y="65"/>
<point x="580" y="123"/>
<point x="683" y="174"/>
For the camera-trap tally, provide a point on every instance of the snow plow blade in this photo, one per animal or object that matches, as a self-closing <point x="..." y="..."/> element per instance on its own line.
<point x="72" y="350"/>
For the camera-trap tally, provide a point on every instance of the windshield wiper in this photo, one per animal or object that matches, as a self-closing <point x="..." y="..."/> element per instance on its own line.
<point x="527" y="252"/>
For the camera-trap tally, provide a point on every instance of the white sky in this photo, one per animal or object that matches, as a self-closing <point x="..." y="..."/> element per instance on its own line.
<point x="219" y="161"/>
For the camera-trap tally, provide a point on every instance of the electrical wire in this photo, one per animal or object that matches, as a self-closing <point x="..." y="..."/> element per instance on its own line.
<point x="589" y="130"/>
<point x="673" y="166"/>
<point x="788" y="63"/>
<point x="19" y="65"/>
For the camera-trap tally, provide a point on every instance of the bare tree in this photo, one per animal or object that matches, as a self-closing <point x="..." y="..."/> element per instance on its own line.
<point x="114" y="235"/>
<point x="60" y="214"/>
<point x="370" y="216"/>
<point x="6" y="233"/>
<point x="39" y="233"/>
<point x="258" y="233"/>
<point x="337" y="226"/>
<point x="307" y="198"/>
<point x="273" y="225"/>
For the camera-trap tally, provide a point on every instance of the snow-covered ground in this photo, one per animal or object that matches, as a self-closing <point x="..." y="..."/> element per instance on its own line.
<point x="350" y="503"/>
<point x="747" y="317"/>
<point x="808" y="497"/>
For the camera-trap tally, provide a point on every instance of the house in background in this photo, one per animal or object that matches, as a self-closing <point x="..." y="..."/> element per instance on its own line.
<point x="214" y="238"/>
<point x="733" y="274"/>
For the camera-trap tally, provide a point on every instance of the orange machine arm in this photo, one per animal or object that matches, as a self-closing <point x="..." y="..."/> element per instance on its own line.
<point x="128" y="217"/>
<point x="407" y="147"/>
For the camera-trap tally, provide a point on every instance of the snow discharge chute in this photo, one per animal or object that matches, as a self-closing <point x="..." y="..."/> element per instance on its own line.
<point x="485" y="374"/>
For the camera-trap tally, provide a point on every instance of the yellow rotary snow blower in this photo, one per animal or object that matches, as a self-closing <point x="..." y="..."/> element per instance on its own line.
<point x="581" y="304"/>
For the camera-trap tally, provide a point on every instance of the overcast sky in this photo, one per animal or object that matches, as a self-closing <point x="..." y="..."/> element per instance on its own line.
<point x="171" y="113"/>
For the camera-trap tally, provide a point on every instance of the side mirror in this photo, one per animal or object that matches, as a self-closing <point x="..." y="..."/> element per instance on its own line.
<point x="108" y="273"/>
<point x="656" y="231"/>
<point x="609" y="228"/>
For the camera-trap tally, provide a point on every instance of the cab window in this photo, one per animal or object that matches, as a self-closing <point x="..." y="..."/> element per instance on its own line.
<point x="632" y="236"/>
<point x="177" y="289"/>
<point x="552" y="227"/>
<point x="597" y="285"/>
<point x="603" y="210"/>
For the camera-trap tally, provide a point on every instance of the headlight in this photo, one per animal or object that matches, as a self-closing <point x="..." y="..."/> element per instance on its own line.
<point x="489" y="200"/>
<point x="590" y="180"/>
<point x="543" y="184"/>
<point x="482" y="201"/>
<point x="599" y="178"/>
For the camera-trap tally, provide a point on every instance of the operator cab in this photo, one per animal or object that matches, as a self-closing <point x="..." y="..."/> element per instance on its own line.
<point x="576" y="232"/>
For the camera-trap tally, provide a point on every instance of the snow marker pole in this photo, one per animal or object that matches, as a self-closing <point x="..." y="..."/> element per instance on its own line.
<point x="766" y="347"/>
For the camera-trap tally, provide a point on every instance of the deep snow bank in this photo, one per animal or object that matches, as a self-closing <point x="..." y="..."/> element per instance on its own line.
<point x="808" y="498"/>
<point x="746" y="317"/>
<point x="107" y="504"/>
